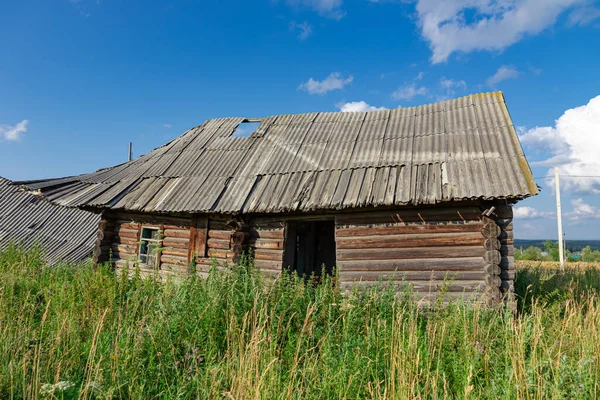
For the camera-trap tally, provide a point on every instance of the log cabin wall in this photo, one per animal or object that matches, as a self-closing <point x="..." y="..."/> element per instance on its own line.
<point x="422" y="248"/>
<point x="504" y="220"/>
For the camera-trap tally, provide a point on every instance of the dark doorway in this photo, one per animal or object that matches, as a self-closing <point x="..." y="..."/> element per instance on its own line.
<point x="310" y="247"/>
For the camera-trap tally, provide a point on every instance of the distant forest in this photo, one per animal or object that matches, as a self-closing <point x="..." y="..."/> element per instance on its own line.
<point x="572" y="245"/>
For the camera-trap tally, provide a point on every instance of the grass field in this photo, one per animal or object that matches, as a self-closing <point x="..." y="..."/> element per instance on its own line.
<point x="78" y="333"/>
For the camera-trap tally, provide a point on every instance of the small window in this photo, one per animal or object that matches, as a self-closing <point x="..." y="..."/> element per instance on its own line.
<point x="149" y="245"/>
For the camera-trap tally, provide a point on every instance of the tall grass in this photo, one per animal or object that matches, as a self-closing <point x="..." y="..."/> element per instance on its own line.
<point x="70" y="332"/>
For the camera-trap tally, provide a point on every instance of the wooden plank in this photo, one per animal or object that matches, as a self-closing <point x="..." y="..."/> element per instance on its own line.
<point x="441" y="264"/>
<point x="175" y="260"/>
<point x="418" y="240"/>
<point x="171" y="251"/>
<point x="267" y="234"/>
<point x="123" y="240"/>
<point x="123" y="248"/>
<point x="130" y="233"/>
<point x="373" y="229"/>
<point x="410" y="253"/>
<point x="198" y="246"/>
<point x="268" y="265"/>
<point x="453" y="289"/>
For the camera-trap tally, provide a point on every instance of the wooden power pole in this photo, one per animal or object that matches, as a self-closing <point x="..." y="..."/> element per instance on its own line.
<point x="561" y="250"/>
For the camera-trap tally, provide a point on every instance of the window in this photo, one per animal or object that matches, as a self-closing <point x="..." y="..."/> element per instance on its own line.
<point x="310" y="245"/>
<point x="149" y="246"/>
<point x="246" y="128"/>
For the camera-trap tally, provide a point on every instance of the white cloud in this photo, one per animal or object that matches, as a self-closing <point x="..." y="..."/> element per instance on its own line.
<point x="573" y="147"/>
<point x="504" y="72"/>
<point x="420" y="76"/>
<point x="334" y="81"/>
<point x="407" y="92"/>
<point x="304" y="29"/>
<point x="450" y="87"/>
<point x="530" y="212"/>
<point x="582" y="211"/>
<point x="358" y="106"/>
<point x="584" y="15"/>
<point x="14" y="132"/>
<point x="325" y="8"/>
<point x="469" y="25"/>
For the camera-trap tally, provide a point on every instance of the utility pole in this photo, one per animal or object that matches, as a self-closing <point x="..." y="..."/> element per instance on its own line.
<point x="561" y="252"/>
<point x="129" y="152"/>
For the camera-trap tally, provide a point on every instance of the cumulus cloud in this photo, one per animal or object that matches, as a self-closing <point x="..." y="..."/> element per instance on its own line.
<point x="582" y="211"/>
<point x="409" y="91"/>
<point x="13" y="132"/>
<point x="469" y="25"/>
<point x="450" y="87"/>
<point x="530" y="212"/>
<point x="573" y="145"/>
<point x="304" y="30"/>
<point x="334" y="81"/>
<point x="325" y="8"/>
<point x="504" y="72"/>
<point x="358" y="106"/>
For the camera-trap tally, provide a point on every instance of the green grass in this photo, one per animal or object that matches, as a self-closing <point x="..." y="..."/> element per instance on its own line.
<point x="78" y="333"/>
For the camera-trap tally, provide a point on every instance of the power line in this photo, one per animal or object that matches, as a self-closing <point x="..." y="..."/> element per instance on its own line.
<point x="568" y="176"/>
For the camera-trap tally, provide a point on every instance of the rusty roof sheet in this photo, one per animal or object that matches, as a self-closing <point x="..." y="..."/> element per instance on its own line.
<point x="459" y="149"/>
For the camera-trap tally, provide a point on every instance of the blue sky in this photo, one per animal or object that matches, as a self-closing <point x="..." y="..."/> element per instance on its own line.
<point x="80" y="79"/>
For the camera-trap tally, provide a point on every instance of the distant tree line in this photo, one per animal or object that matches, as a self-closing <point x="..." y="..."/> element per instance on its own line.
<point x="551" y="253"/>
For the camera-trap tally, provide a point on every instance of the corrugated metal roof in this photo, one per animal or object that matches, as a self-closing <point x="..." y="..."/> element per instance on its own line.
<point x="66" y="234"/>
<point x="464" y="148"/>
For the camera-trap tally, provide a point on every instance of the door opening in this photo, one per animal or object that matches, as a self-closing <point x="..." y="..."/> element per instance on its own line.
<point x="310" y="247"/>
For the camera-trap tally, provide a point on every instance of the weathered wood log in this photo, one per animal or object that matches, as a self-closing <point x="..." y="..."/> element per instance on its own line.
<point x="491" y="244"/>
<point x="416" y="240"/>
<point x="130" y="233"/>
<point x="491" y="230"/>
<point x="268" y="265"/>
<point x="492" y="257"/>
<point x="127" y="249"/>
<point x="239" y="237"/>
<point x="124" y="240"/>
<point x="434" y="275"/>
<point x="412" y="215"/>
<point x="177" y="233"/>
<point x="172" y="251"/>
<point x="178" y="243"/>
<point x="219" y="234"/>
<point x="224" y="254"/>
<point x="267" y="244"/>
<point x="410" y="253"/>
<point x="267" y="234"/>
<point x="492" y="269"/>
<point x="273" y="255"/>
<point x="423" y="286"/>
<point x="493" y="280"/>
<point x="407" y="229"/>
<point x="237" y="249"/>
<point x="219" y="244"/>
<point x="175" y="260"/>
<point x="442" y="264"/>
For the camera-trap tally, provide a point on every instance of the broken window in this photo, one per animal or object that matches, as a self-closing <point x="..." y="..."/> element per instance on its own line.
<point x="245" y="129"/>
<point x="310" y="247"/>
<point x="149" y="247"/>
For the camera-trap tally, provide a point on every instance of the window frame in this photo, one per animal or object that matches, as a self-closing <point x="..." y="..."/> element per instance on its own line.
<point x="148" y="242"/>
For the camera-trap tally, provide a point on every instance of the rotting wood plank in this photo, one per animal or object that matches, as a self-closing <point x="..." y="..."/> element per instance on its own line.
<point x="219" y="244"/>
<point x="411" y="215"/>
<point x="267" y="234"/>
<point x="272" y="255"/>
<point x="439" y="275"/>
<point x="178" y="243"/>
<point x="267" y="244"/>
<point x="177" y="233"/>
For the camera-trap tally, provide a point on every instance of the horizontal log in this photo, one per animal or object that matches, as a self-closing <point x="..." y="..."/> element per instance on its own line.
<point x="127" y="225"/>
<point x="491" y="244"/>
<point x="429" y="264"/>
<point x="177" y="233"/>
<point x="184" y="227"/>
<point x="492" y="257"/>
<point x="219" y="234"/>
<point x="374" y="229"/>
<point x="130" y="233"/>
<point x="124" y="248"/>
<point x="267" y="244"/>
<point x="177" y="243"/>
<point x="268" y="265"/>
<point x="411" y="215"/>
<point x="175" y="260"/>
<point x="410" y="276"/>
<point x="206" y="261"/>
<point x="273" y="255"/>
<point x="492" y="269"/>
<point x="411" y="253"/>
<point x="219" y="244"/>
<point x="172" y="251"/>
<point x="224" y="254"/>
<point x="492" y="281"/>
<point x="179" y="269"/>
<point x="155" y="220"/>
<point x="416" y="240"/>
<point x="491" y="230"/>
<point x="125" y="240"/>
<point x="422" y="287"/>
<point x="267" y="234"/>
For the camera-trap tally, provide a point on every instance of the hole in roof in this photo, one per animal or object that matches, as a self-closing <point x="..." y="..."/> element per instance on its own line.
<point x="245" y="129"/>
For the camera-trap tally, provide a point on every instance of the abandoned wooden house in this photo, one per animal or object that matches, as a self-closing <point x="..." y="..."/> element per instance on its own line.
<point x="414" y="194"/>
<point x="64" y="234"/>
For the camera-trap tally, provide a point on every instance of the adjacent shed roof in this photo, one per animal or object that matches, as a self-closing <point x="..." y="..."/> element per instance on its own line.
<point x="66" y="234"/>
<point x="465" y="148"/>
